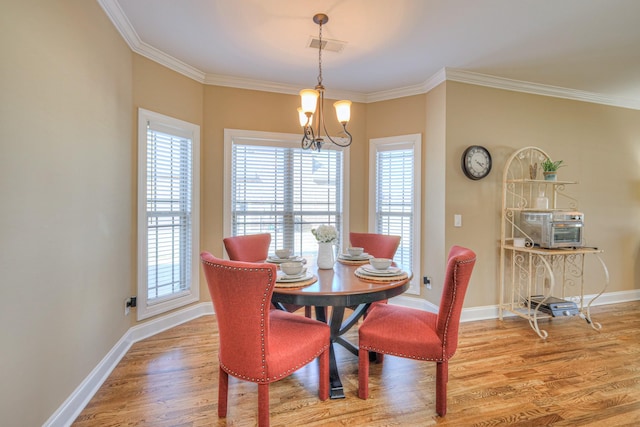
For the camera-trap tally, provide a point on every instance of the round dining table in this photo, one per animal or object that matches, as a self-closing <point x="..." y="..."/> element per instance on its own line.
<point x="337" y="289"/>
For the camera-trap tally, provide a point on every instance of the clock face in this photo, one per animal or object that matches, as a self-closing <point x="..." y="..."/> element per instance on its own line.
<point x="476" y="162"/>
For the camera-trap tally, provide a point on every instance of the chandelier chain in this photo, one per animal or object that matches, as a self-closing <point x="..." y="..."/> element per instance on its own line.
<point x="320" y="56"/>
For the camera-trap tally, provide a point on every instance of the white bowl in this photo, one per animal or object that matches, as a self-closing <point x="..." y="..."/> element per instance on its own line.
<point x="380" y="263"/>
<point x="355" y="251"/>
<point x="283" y="253"/>
<point x="291" y="268"/>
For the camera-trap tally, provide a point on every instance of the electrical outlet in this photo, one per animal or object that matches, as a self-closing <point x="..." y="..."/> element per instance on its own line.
<point x="127" y="306"/>
<point x="427" y="282"/>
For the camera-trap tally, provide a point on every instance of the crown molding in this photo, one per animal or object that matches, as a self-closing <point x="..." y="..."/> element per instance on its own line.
<point x="266" y="86"/>
<point x="537" y="89"/>
<point x="170" y="62"/>
<point x="122" y="24"/>
<point x="418" y="89"/>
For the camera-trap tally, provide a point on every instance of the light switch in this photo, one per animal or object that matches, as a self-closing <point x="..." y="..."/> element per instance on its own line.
<point x="457" y="220"/>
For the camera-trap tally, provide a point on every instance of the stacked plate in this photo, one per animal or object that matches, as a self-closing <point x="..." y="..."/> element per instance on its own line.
<point x="362" y="257"/>
<point x="301" y="277"/>
<point x="276" y="260"/>
<point x="369" y="270"/>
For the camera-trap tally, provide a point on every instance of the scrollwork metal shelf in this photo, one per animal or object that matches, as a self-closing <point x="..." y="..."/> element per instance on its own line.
<point x="527" y="271"/>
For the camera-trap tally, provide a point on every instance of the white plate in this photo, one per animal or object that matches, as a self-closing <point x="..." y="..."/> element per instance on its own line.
<point x="276" y="260"/>
<point x="391" y="271"/>
<point x="369" y="274"/>
<point x="283" y="278"/>
<point x="362" y="257"/>
<point x="292" y="276"/>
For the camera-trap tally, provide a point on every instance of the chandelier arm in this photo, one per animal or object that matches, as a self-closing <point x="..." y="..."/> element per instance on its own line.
<point x="308" y="138"/>
<point x="340" y="144"/>
<point x="320" y="114"/>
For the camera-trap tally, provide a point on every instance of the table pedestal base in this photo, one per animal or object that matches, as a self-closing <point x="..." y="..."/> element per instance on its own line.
<point x="338" y="327"/>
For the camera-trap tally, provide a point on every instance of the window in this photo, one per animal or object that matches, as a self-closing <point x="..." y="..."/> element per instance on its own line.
<point x="274" y="186"/>
<point x="394" y="199"/>
<point x="168" y="219"/>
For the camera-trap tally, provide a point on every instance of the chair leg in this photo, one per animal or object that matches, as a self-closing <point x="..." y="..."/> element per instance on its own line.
<point x="223" y="387"/>
<point x="442" y="377"/>
<point x="263" y="405"/>
<point x="323" y="387"/>
<point x="363" y="374"/>
<point x="307" y="311"/>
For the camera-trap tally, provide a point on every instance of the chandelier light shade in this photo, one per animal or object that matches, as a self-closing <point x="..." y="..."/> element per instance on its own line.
<point x="312" y="104"/>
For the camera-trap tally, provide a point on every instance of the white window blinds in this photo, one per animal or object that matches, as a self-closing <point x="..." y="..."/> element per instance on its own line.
<point x="169" y="178"/>
<point x="394" y="199"/>
<point x="285" y="191"/>
<point x="168" y="220"/>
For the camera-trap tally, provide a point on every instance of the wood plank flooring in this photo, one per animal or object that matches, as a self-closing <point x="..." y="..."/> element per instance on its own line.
<point x="502" y="374"/>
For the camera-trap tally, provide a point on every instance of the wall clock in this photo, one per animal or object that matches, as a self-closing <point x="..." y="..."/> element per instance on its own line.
<point x="476" y="162"/>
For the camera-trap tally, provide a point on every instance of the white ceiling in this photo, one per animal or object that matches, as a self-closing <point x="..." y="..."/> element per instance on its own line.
<point x="563" y="47"/>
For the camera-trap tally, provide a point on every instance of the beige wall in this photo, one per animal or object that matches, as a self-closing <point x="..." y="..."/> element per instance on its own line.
<point x="65" y="195"/>
<point x="433" y="246"/>
<point x="156" y="88"/>
<point x="599" y="144"/>
<point x="71" y="88"/>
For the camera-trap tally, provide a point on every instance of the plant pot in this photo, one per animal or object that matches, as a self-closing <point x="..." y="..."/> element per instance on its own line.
<point x="550" y="176"/>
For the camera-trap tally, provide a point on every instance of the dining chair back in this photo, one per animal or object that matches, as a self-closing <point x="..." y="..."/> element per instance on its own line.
<point x="250" y="248"/>
<point x="378" y="245"/>
<point x="417" y="334"/>
<point x="257" y="344"/>
<point x="255" y="248"/>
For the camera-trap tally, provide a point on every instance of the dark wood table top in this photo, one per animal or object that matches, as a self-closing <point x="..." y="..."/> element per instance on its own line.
<point x="340" y="287"/>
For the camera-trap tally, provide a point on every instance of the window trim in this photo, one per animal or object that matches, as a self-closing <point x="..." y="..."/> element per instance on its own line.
<point x="289" y="140"/>
<point x="413" y="141"/>
<point x="145" y="309"/>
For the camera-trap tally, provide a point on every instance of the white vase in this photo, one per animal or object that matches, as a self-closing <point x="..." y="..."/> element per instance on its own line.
<point x="326" y="258"/>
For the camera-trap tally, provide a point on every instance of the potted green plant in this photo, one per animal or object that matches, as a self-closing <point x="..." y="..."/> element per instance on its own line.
<point x="550" y="169"/>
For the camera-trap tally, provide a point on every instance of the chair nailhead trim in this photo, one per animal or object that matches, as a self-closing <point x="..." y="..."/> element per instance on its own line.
<point x="265" y="380"/>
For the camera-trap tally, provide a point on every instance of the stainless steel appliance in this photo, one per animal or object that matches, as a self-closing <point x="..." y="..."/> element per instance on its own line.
<point x="553" y="229"/>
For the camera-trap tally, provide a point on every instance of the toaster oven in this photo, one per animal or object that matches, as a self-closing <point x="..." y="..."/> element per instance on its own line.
<point x="553" y="229"/>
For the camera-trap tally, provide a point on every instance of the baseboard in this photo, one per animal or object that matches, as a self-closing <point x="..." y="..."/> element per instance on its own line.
<point x="492" y="311"/>
<point x="414" y="302"/>
<point x="73" y="406"/>
<point x="487" y="312"/>
<point x="75" y="403"/>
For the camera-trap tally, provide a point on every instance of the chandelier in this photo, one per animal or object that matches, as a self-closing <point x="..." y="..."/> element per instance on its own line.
<point x="312" y="138"/>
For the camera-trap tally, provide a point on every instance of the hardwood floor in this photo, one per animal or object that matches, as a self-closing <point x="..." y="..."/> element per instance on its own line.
<point x="502" y="374"/>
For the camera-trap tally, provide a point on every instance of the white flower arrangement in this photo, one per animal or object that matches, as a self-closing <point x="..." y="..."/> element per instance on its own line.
<point x="325" y="234"/>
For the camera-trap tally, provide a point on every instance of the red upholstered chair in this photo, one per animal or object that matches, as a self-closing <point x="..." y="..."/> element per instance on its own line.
<point x="417" y="334"/>
<point x="249" y="248"/>
<point x="258" y="344"/>
<point x="378" y="245"/>
<point x="255" y="248"/>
